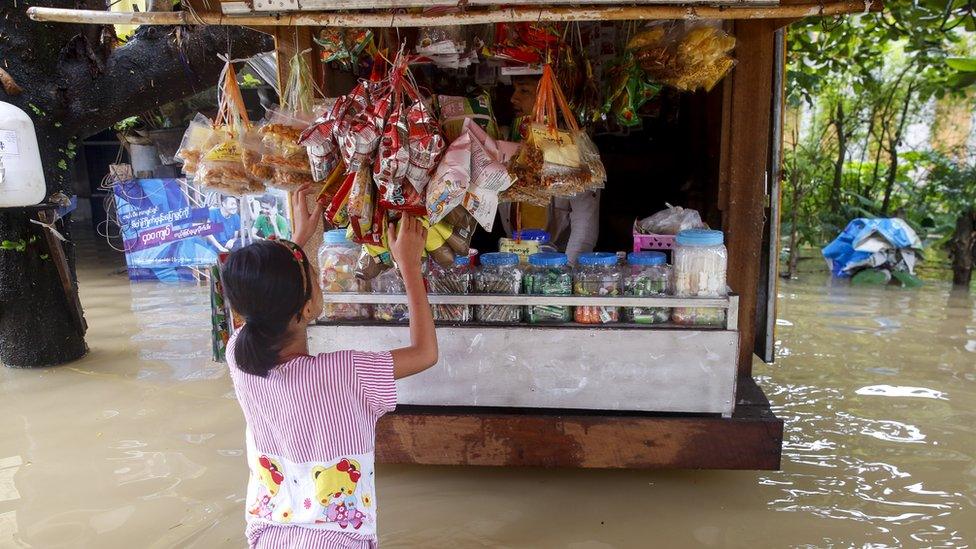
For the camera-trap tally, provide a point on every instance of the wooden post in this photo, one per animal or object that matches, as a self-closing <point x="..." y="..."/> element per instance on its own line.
<point x="744" y="176"/>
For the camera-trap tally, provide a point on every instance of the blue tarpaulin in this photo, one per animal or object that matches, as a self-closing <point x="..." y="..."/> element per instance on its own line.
<point x="868" y="243"/>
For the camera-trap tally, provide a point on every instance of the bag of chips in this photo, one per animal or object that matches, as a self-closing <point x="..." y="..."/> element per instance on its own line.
<point x="687" y="57"/>
<point x="198" y="139"/>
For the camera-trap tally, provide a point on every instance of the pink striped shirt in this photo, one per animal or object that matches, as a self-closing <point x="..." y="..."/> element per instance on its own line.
<point x="311" y="432"/>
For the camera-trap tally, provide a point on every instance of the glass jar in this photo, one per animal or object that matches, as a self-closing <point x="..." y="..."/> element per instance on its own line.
<point x="337" y="274"/>
<point x="648" y="275"/>
<point x="499" y="274"/>
<point x="598" y="275"/>
<point x="390" y="282"/>
<point x="455" y="280"/>
<point x="700" y="262"/>
<point x="548" y="273"/>
<point x="525" y="243"/>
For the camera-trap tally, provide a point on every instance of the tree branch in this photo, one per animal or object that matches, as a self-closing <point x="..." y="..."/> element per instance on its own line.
<point x="156" y="66"/>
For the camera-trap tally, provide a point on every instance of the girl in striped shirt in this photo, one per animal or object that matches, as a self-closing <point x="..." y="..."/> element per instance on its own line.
<point x="311" y="419"/>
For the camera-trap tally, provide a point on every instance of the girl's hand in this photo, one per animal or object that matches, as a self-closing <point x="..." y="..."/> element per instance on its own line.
<point x="407" y="247"/>
<point x="306" y="222"/>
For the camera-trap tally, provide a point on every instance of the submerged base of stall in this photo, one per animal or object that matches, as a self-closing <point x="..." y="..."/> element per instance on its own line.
<point x="448" y="435"/>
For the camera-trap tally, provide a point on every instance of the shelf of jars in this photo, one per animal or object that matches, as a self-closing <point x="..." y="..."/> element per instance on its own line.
<point x="618" y="365"/>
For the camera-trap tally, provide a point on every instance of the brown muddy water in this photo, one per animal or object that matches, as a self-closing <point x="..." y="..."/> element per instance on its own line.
<point x="141" y="443"/>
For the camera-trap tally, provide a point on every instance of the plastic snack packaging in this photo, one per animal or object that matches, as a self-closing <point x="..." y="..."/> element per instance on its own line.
<point x="281" y="135"/>
<point x="197" y="140"/>
<point x="685" y="56"/>
<point x="672" y="220"/>
<point x="564" y="171"/>
<point x="454" y="110"/>
<point x="222" y="167"/>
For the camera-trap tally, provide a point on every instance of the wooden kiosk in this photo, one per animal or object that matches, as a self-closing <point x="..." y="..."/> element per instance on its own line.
<point x="576" y="396"/>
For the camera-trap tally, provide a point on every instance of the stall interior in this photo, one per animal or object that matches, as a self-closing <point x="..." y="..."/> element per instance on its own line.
<point x="537" y="154"/>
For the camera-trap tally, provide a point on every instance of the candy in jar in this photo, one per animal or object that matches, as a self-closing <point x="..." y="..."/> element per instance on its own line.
<point x="499" y="274"/>
<point x="454" y="280"/>
<point x="549" y="274"/>
<point x="648" y="275"/>
<point x="700" y="261"/>
<point x="389" y="282"/>
<point x="598" y="275"/>
<point x="337" y="264"/>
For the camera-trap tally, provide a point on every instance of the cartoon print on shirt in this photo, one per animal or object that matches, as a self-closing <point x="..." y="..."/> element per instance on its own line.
<point x="335" y="489"/>
<point x="269" y="481"/>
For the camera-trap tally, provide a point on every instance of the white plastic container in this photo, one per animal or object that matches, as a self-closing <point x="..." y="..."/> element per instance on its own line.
<point x="21" y="174"/>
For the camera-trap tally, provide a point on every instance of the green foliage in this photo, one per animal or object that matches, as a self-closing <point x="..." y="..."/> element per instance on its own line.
<point x="126" y="124"/>
<point x="13" y="245"/>
<point x="249" y="81"/>
<point x="855" y="85"/>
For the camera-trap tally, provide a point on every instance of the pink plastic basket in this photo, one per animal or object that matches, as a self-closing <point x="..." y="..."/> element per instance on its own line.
<point x="653" y="242"/>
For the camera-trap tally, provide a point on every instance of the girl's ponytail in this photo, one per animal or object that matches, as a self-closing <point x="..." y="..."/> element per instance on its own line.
<point x="267" y="284"/>
<point x="256" y="348"/>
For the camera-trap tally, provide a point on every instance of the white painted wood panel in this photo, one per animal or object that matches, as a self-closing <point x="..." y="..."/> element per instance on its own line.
<point x="653" y="370"/>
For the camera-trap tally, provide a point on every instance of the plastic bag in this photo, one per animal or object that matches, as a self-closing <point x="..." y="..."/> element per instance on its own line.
<point x="685" y="56"/>
<point x="550" y="162"/>
<point x="343" y="45"/>
<point x="222" y="167"/>
<point x="338" y="212"/>
<point x="361" y="200"/>
<point x="331" y="186"/>
<point x="425" y="142"/>
<point x="197" y="140"/>
<point x="628" y="89"/>
<point x="472" y="173"/>
<point x="281" y="135"/>
<point x="673" y="220"/>
<point x="454" y="110"/>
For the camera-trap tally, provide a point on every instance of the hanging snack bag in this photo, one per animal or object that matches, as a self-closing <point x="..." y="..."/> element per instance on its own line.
<point x="222" y="167"/>
<point x="287" y="158"/>
<point x="337" y="211"/>
<point x="686" y="57"/>
<point x="197" y="140"/>
<point x="454" y="110"/>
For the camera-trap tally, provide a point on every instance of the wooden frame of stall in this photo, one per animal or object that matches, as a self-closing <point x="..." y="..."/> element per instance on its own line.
<point x="748" y="199"/>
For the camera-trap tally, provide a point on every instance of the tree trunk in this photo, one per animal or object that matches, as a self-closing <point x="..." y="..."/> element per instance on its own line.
<point x="835" y="187"/>
<point x="891" y="178"/>
<point x="963" y="248"/>
<point x="893" y="144"/>
<point x="794" y="257"/>
<point x="36" y="328"/>
<point x="76" y="83"/>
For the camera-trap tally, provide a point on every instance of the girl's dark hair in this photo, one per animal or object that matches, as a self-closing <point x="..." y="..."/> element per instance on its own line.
<point x="268" y="283"/>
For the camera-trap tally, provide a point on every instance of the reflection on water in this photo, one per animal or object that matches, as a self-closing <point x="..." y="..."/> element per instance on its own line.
<point x="140" y="444"/>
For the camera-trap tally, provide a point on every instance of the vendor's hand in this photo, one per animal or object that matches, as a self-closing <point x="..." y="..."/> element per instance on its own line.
<point x="407" y="247"/>
<point x="306" y="222"/>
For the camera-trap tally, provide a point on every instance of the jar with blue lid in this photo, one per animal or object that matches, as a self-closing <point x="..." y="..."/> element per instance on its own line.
<point x="454" y="280"/>
<point x="648" y="275"/>
<point x="548" y="274"/>
<point x="499" y="274"/>
<point x="700" y="265"/>
<point x="338" y="257"/>
<point x="598" y="274"/>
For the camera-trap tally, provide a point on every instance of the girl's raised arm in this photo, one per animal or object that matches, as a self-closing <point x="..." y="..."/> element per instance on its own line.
<point x="407" y="248"/>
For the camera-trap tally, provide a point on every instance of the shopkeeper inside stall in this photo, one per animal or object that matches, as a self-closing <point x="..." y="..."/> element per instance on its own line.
<point x="573" y="223"/>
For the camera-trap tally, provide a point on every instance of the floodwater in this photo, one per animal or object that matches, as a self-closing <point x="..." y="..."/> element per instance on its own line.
<point x="141" y="443"/>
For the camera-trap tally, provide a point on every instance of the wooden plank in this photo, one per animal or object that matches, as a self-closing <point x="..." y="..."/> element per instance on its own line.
<point x="746" y="162"/>
<point x="470" y="17"/>
<point x="280" y="6"/>
<point x="751" y="439"/>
